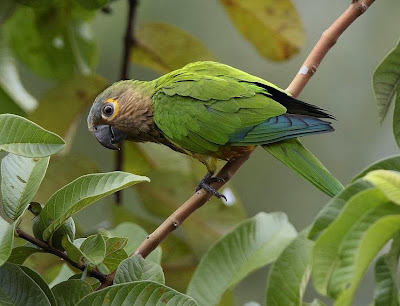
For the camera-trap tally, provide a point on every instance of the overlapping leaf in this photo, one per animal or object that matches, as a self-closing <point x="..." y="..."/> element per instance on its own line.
<point x="278" y="21"/>
<point x="70" y="292"/>
<point x="23" y="137"/>
<point x="387" y="181"/>
<point x="388" y="163"/>
<point x="78" y="194"/>
<point x="6" y="240"/>
<point x="150" y="294"/>
<point x="251" y="245"/>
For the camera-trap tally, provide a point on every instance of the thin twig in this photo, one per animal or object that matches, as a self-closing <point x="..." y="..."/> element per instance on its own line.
<point x="128" y="43"/>
<point x="49" y="249"/>
<point x="327" y="40"/>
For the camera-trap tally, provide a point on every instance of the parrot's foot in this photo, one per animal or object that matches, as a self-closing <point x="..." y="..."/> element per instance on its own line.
<point x="204" y="184"/>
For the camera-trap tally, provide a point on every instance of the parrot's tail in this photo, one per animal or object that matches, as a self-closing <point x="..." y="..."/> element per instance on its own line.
<point x="293" y="154"/>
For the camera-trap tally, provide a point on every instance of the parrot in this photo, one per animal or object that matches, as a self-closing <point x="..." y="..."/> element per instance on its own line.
<point x="212" y="111"/>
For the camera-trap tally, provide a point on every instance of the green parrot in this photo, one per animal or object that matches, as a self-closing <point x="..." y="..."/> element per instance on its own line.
<point x="211" y="111"/>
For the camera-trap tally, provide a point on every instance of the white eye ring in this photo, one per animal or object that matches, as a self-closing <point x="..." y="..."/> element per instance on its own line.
<point x="108" y="110"/>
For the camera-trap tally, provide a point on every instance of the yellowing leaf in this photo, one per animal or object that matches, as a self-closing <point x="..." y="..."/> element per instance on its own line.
<point x="273" y="27"/>
<point x="164" y="47"/>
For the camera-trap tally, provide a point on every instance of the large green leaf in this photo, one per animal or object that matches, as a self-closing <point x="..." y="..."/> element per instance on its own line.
<point x="9" y="78"/>
<point x="6" y="240"/>
<point x="22" y="253"/>
<point x="289" y="275"/>
<point x="387" y="181"/>
<point x="386" y="81"/>
<point x="388" y="163"/>
<point x="57" y="31"/>
<point x="69" y="293"/>
<point x="165" y="47"/>
<point x="385" y="291"/>
<point x="20" y="179"/>
<point x="71" y="98"/>
<point x="23" y="137"/>
<point x="18" y="288"/>
<point x="136" y="268"/>
<point x="146" y="293"/>
<point x="330" y="211"/>
<point x="78" y="194"/>
<point x="294" y="155"/>
<point x="251" y="245"/>
<point x="278" y="21"/>
<point x="344" y="250"/>
<point x="136" y="235"/>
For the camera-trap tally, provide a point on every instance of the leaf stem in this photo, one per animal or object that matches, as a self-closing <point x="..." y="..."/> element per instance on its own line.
<point x="325" y="43"/>
<point x="128" y="43"/>
<point x="49" y="249"/>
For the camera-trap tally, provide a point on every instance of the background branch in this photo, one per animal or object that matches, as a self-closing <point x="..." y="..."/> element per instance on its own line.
<point x="49" y="249"/>
<point x="128" y="43"/>
<point x="309" y="67"/>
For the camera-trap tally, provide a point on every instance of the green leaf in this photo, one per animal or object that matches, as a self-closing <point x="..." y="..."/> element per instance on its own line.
<point x="41" y="282"/>
<point x="387" y="181"/>
<point x="23" y="137"/>
<point x="251" y="245"/>
<point x="7" y="7"/>
<point x="136" y="268"/>
<point x="18" y="288"/>
<point x="78" y="194"/>
<point x="144" y="293"/>
<point x="69" y="293"/>
<point x="10" y="81"/>
<point x="385" y="291"/>
<point x="386" y="81"/>
<point x="64" y="274"/>
<point x="330" y="211"/>
<point x="6" y="240"/>
<point x="92" y="4"/>
<point x="294" y="155"/>
<point x="396" y="119"/>
<point x="136" y="235"/>
<point x="94" y="249"/>
<point x="278" y="21"/>
<point x="289" y="275"/>
<point x="164" y="47"/>
<point x="344" y="250"/>
<point x="70" y="98"/>
<point x="8" y="106"/>
<point x="388" y="163"/>
<point x="73" y="248"/>
<point x="54" y="32"/>
<point x="20" y="180"/>
<point x="22" y="253"/>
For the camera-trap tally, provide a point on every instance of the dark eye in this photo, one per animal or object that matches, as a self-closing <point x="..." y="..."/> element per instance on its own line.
<point x="108" y="109"/>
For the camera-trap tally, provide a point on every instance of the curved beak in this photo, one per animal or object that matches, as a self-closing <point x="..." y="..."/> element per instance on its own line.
<point x="108" y="135"/>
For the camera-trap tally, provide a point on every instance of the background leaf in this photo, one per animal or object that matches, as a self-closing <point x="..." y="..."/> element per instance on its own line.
<point x="251" y="245"/>
<point x="62" y="275"/>
<point x="6" y="240"/>
<point x="164" y="47"/>
<point x="386" y="81"/>
<point x="150" y="293"/>
<point x="136" y="268"/>
<point x="280" y="25"/>
<point x="20" y="180"/>
<point x="23" y="137"/>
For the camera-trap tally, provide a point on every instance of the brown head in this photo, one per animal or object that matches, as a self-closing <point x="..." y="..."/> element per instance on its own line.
<point x="123" y="110"/>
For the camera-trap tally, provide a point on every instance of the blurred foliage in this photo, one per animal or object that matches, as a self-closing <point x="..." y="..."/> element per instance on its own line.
<point x="53" y="41"/>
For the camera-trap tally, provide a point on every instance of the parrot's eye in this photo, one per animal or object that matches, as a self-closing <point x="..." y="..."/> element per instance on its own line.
<point x="108" y="109"/>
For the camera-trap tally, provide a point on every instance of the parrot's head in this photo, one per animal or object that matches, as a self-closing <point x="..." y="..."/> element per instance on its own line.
<point x="114" y="113"/>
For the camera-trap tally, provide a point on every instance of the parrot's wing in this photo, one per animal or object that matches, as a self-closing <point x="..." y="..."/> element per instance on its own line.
<point x="294" y="155"/>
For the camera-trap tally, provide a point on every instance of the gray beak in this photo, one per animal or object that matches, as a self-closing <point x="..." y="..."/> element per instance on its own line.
<point x="108" y="135"/>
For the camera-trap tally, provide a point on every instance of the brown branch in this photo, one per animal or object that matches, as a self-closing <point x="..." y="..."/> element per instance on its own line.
<point x="327" y="40"/>
<point x="49" y="249"/>
<point x="128" y="43"/>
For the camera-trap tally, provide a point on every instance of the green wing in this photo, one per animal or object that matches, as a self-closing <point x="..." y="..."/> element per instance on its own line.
<point x="197" y="112"/>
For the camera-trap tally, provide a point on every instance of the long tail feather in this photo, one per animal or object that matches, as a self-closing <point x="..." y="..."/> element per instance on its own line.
<point x="293" y="154"/>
